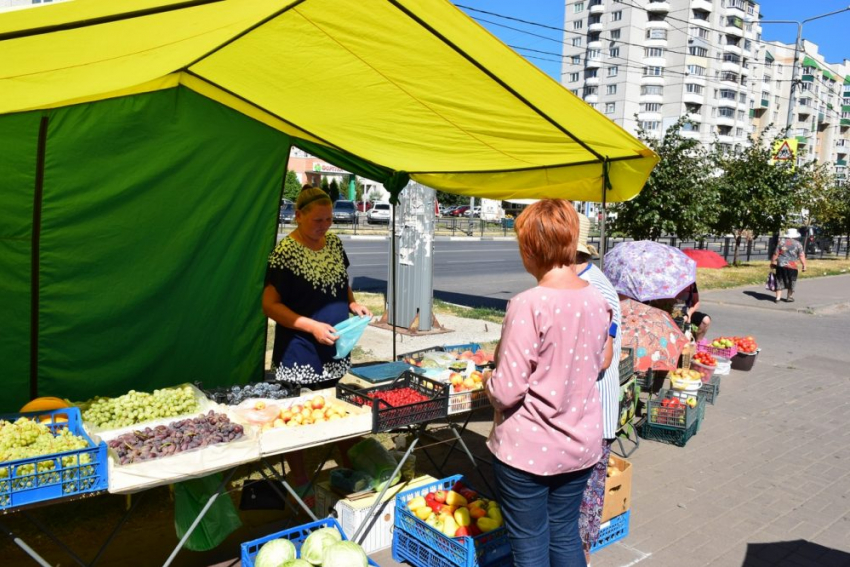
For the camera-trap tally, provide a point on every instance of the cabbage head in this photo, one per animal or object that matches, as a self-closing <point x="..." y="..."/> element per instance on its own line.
<point x="344" y="554"/>
<point x="275" y="553"/>
<point x="315" y="544"/>
<point x="297" y="563"/>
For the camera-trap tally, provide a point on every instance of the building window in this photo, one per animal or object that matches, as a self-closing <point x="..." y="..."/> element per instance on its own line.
<point x="588" y="91"/>
<point x="614" y="52"/>
<point x="573" y="77"/>
<point x="741" y="115"/>
<point x="742" y="98"/>
<point x="610" y="107"/>
<point x="617" y="16"/>
<point x="613" y="70"/>
<point x="652" y="107"/>
<point x="611" y="89"/>
<point x="655" y="33"/>
<point x="578" y="24"/>
<point x="615" y="34"/>
<point x="697" y="70"/>
<point x="576" y="59"/>
<point x="590" y="74"/>
<point x="650" y="124"/>
<point x="726" y="112"/>
<point x="578" y="7"/>
<point x="653" y="52"/>
<point x="694" y="89"/>
<point x="653" y="71"/>
<point x="652" y="90"/>
<point x="690" y="127"/>
<point x="698" y="51"/>
<point x="732" y="57"/>
<point x="576" y="42"/>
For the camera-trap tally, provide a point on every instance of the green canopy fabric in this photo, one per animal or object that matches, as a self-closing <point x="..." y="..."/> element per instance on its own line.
<point x="144" y="146"/>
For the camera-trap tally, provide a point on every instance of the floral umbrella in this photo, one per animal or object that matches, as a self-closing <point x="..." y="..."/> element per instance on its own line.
<point x="646" y="270"/>
<point x="657" y="341"/>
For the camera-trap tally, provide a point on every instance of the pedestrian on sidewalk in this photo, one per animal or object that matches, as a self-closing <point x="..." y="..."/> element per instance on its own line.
<point x="785" y="259"/>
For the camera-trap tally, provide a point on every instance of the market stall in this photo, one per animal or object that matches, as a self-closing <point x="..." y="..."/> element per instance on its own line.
<point x="144" y="147"/>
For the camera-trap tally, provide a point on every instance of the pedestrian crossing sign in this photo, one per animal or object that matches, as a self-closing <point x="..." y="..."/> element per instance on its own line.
<point x="784" y="151"/>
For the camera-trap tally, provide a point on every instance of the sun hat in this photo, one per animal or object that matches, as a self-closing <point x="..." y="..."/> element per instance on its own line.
<point x="791" y="233"/>
<point x="583" y="233"/>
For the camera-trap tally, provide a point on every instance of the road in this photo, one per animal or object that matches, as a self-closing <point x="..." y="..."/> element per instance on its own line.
<point x="475" y="273"/>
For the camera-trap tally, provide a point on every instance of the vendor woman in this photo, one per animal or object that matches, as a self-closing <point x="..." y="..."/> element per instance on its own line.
<point x="306" y="294"/>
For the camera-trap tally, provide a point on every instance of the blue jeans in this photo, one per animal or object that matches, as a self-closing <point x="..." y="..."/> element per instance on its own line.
<point x="541" y="515"/>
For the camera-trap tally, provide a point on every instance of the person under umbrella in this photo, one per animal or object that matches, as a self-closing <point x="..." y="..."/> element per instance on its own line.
<point x="656" y="339"/>
<point x="645" y="270"/>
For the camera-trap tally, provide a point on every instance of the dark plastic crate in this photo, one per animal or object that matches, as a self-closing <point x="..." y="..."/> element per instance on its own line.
<point x="665" y="434"/>
<point x="612" y="531"/>
<point x="644" y="380"/>
<point x="711" y="390"/>
<point x="220" y="394"/>
<point x="743" y="361"/>
<point x="296" y="535"/>
<point x="627" y="365"/>
<point x="682" y="417"/>
<point x="491" y="548"/>
<point x="386" y="417"/>
<point x="57" y="475"/>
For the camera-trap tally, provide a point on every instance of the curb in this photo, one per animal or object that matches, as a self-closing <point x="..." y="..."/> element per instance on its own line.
<point x="436" y="238"/>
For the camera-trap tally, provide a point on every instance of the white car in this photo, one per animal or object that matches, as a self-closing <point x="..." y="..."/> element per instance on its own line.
<point x="380" y="213"/>
<point x="474" y="212"/>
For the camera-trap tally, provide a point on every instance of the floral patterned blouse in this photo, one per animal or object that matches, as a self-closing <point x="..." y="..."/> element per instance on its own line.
<point x="788" y="253"/>
<point x="313" y="283"/>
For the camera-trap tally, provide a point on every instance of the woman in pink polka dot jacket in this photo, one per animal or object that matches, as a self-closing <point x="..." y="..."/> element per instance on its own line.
<point x="547" y="431"/>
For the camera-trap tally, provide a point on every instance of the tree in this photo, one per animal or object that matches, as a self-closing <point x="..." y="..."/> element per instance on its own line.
<point x="291" y="186"/>
<point x="325" y="187"/>
<point x="757" y="196"/>
<point x="831" y="209"/>
<point x="450" y="199"/>
<point x="676" y="199"/>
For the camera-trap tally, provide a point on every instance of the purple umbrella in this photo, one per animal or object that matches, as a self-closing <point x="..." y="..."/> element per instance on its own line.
<point x="646" y="270"/>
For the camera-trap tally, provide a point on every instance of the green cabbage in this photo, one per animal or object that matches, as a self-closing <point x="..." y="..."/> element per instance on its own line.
<point x="275" y="553"/>
<point x="315" y="544"/>
<point x="297" y="563"/>
<point x="344" y="554"/>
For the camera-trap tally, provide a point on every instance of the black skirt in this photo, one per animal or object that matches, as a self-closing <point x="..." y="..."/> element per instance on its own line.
<point x="786" y="278"/>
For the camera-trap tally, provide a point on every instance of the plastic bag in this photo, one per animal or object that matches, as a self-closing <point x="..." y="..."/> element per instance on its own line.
<point x="221" y="519"/>
<point x="770" y="284"/>
<point x="258" y="416"/>
<point x="372" y="458"/>
<point x="408" y="469"/>
<point x="348" y="333"/>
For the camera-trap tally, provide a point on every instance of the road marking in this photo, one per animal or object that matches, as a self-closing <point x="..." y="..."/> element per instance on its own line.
<point x="641" y="555"/>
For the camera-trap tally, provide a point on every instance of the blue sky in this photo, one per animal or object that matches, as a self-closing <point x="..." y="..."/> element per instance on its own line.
<point x="826" y="32"/>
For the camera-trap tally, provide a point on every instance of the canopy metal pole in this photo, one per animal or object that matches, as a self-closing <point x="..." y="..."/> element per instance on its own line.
<point x="602" y="247"/>
<point x="394" y="265"/>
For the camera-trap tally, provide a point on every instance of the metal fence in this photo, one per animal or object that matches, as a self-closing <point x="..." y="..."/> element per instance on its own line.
<point x="756" y="249"/>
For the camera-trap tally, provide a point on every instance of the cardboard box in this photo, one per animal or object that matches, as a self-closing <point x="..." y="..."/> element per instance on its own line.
<point x="618" y="490"/>
<point x="351" y="511"/>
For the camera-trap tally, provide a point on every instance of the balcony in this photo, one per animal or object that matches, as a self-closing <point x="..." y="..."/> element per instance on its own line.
<point x="593" y="62"/>
<point x="725" y="121"/>
<point x="726" y="139"/>
<point x="594" y="45"/>
<point x="591" y="98"/>
<point x="692" y="134"/>
<point x="765" y="87"/>
<point x="845" y="122"/>
<point x="591" y="82"/>
<point x="648" y="98"/>
<point x="842" y="147"/>
<point x="730" y="66"/>
<point x="693" y="98"/>
<point x="735" y="8"/>
<point x="702" y="5"/>
<point x="658" y="7"/>
<point x="808" y="78"/>
<point x="731" y="48"/>
<point x="652" y="80"/>
<point x="840" y="162"/>
<point x="597" y="8"/>
<point x="649" y="116"/>
<point x="764" y="103"/>
<point x="596" y="27"/>
<point x="734" y="31"/>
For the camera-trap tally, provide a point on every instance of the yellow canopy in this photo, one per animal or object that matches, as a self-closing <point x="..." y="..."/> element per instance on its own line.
<point x="399" y="86"/>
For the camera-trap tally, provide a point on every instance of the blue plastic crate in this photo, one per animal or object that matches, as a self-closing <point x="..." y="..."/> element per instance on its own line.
<point x="613" y="530"/>
<point x="381" y="372"/>
<point x="296" y="535"/>
<point x="491" y="548"/>
<point x="474" y="347"/>
<point x="57" y="475"/>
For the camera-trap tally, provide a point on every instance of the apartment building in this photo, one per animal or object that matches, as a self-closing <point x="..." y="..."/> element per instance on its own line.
<point x="645" y="65"/>
<point x="820" y="118"/>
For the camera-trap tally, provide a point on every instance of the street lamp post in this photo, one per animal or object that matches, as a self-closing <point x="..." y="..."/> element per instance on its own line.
<point x="798" y="45"/>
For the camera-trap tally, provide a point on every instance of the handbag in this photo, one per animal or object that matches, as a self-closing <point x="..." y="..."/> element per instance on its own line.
<point x="770" y="284"/>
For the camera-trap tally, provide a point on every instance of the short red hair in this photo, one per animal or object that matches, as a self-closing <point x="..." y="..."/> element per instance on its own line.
<point x="547" y="232"/>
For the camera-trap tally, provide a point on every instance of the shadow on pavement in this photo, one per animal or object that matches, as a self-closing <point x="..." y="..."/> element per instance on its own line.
<point x="797" y="552"/>
<point x="760" y="296"/>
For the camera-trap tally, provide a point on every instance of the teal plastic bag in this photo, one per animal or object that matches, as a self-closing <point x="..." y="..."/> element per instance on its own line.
<point x="348" y="333"/>
<point x="220" y="521"/>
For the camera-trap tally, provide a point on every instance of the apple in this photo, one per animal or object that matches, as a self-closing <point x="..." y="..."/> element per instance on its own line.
<point x="318" y="402"/>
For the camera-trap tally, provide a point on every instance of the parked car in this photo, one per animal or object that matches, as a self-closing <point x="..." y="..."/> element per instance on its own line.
<point x="345" y="212"/>
<point x="459" y="211"/>
<point x="816" y="240"/>
<point x="364" y="206"/>
<point x="287" y="213"/>
<point x="380" y="213"/>
<point x="445" y="210"/>
<point x="476" y="212"/>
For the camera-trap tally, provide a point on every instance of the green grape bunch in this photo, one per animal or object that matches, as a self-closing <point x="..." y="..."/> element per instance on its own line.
<point x="136" y="407"/>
